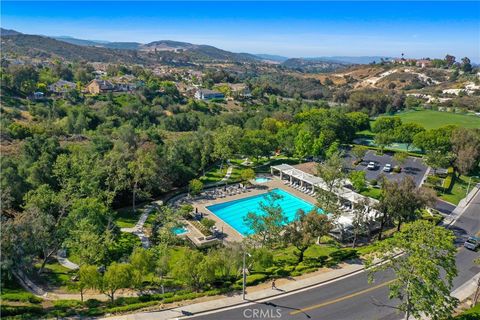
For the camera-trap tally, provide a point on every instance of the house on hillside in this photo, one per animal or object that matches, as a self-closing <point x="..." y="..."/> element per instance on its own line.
<point x="424" y="63"/>
<point x="37" y="96"/>
<point x="97" y="86"/>
<point x="206" y="94"/>
<point x="240" y="90"/>
<point x="62" y="86"/>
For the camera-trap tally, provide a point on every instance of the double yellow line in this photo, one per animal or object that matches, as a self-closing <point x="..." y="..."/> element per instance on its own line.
<point x="320" y="305"/>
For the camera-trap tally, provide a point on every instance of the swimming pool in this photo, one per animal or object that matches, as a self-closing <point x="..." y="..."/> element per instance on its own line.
<point x="233" y="212"/>
<point x="180" y="230"/>
<point x="261" y="180"/>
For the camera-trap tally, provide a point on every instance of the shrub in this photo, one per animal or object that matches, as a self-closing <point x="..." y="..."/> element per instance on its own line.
<point x="93" y="303"/>
<point x="67" y="304"/>
<point x="23" y="297"/>
<point x="283" y="272"/>
<point x="20" y="310"/>
<point x="341" y="255"/>
<point x="397" y="169"/>
<point x="447" y="183"/>
<point x="254" y="279"/>
<point x="373" y="182"/>
<point x="131" y="307"/>
<point x="207" y="223"/>
<point x="316" y="261"/>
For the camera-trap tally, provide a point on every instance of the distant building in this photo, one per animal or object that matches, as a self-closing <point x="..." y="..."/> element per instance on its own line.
<point x="424" y="63"/>
<point x="206" y="94"/>
<point x="240" y="89"/>
<point x="97" y="86"/>
<point x="62" y="86"/>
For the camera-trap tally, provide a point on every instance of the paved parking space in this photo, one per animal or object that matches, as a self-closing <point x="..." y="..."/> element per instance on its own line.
<point x="413" y="167"/>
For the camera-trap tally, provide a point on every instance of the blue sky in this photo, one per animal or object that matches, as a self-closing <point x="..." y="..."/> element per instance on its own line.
<point x="419" y="29"/>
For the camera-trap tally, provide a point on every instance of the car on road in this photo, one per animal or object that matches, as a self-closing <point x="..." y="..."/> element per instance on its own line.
<point x="472" y="243"/>
<point x="387" y="168"/>
<point x="371" y="165"/>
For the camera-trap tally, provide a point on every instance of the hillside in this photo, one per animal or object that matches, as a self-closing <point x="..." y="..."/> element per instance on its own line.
<point x="165" y="51"/>
<point x="45" y="47"/>
<point x="312" y="65"/>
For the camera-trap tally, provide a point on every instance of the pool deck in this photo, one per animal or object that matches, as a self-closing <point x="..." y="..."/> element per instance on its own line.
<point x="233" y="235"/>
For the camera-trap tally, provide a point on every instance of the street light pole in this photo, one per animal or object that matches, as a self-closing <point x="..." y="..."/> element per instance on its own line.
<point x="469" y="182"/>
<point x="244" y="273"/>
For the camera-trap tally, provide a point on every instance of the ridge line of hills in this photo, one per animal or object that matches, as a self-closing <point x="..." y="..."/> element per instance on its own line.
<point x="162" y="51"/>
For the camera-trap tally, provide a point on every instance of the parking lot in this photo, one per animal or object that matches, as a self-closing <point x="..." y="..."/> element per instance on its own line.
<point x="413" y="167"/>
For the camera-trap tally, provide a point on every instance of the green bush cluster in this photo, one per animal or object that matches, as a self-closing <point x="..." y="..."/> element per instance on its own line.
<point x="22" y="297"/>
<point x="131" y="307"/>
<point x="25" y="311"/>
<point x="253" y="279"/>
<point x="448" y="182"/>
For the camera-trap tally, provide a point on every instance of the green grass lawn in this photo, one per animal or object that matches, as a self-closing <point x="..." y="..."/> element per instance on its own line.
<point x="126" y="218"/>
<point x="214" y="175"/>
<point x="56" y="275"/>
<point x="372" y="193"/>
<point x="435" y="119"/>
<point x="470" y="314"/>
<point x="459" y="189"/>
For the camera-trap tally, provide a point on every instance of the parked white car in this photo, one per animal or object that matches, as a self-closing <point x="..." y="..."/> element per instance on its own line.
<point x="371" y="165"/>
<point x="387" y="168"/>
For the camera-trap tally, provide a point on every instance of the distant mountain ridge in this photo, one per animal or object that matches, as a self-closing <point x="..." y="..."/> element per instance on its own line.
<point x="8" y="32"/>
<point x="165" y="51"/>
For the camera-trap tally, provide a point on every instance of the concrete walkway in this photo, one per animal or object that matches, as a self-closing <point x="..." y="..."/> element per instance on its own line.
<point x="283" y="287"/>
<point x="457" y="212"/>
<point x="138" y="229"/>
<point x="229" y="172"/>
<point x="63" y="260"/>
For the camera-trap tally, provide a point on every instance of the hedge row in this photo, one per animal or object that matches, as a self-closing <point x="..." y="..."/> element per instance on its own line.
<point x="22" y="297"/>
<point x="20" y="310"/>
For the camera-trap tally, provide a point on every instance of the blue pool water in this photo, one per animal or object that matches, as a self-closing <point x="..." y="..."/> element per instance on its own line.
<point x="233" y="212"/>
<point x="261" y="180"/>
<point x="180" y="230"/>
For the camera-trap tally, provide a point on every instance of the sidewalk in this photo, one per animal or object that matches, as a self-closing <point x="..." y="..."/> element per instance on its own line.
<point x="285" y="288"/>
<point x="461" y="207"/>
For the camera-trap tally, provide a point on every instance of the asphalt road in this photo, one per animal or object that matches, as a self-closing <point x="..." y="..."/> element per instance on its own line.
<point x="353" y="297"/>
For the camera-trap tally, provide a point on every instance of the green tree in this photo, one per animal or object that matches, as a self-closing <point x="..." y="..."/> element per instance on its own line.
<point x="257" y="143"/>
<point x="88" y="278"/>
<point x="361" y="219"/>
<point x="143" y="262"/>
<point x="400" y="157"/>
<point x="331" y="172"/>
<point x="195" y="186"/>
<point x="466" y="65"/>
<point x="358" y="180"/>
<point x="383" y="139"/>
<point x="386" y="124"/>
<point x="247" y="174"/>
<point x="401" y="200"/>
<point x="118" y="276"/>
<point x="466" y="149"/>
<point x="306" y="227"/>
<point x="359" y="152"/>
<point x="423" y="273"/>
<point x="143" y="170"/>
<point x="195" y="269"/>
<point x="406" y="132"/>
<point x="360" y="120"/>
<point x="226" y="142"/>
<point x="267" y="224"/>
